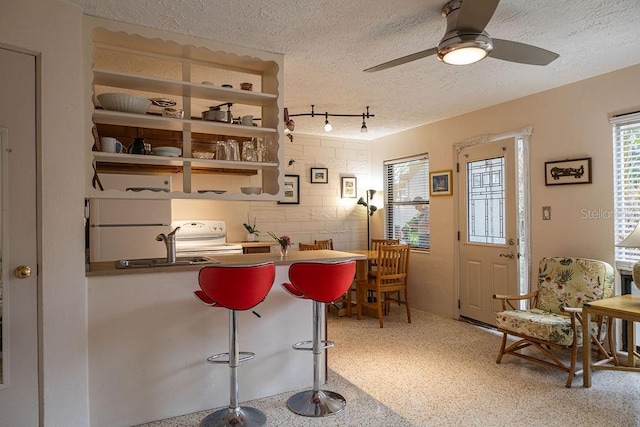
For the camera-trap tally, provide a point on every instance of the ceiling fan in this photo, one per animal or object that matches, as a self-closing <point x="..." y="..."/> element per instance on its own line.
<point x="466" y="41"/>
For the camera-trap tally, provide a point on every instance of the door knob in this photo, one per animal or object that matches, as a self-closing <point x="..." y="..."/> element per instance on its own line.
<point x="507" y="255"/>
<point x="22" y="271"/>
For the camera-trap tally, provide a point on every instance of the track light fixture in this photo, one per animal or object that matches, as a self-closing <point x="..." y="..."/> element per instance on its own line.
<point x="289" y="124"/>
<point x="327" y="125"/>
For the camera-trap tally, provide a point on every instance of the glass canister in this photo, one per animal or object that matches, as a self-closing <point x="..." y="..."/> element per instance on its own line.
<point x="221" y="150"/>
<point x="233" y="150"/>
<point x="249" y="151"/>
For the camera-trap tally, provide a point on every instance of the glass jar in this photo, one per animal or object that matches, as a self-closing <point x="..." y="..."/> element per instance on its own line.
<point x="249" y="151"/>
<point x="232" y="150"/>
<point x="221" y="150"/>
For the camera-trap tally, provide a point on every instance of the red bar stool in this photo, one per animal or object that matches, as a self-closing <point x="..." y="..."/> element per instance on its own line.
<point x="235" y="288"/>
<point x="322" y="283"/>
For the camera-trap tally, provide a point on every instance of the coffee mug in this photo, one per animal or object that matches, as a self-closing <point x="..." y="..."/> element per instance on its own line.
<point x="247" y="120"/>
<point x="111" y="145"/>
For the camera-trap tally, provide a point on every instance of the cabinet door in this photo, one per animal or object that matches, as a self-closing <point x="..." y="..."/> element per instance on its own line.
<point x="256" y="249"/>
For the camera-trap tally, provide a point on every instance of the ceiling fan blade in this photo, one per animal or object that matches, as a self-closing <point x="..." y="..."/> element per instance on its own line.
<point x="475" y="14"/>
<point x="519" y="52"/>
<point x="403" y="60"/>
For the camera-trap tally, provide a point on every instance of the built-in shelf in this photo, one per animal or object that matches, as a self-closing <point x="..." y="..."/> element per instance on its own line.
<point x="177" y="161"/>
<point x="180" y="88"/>
<point x="108" y="117"/>
<point x="111" y="47"/>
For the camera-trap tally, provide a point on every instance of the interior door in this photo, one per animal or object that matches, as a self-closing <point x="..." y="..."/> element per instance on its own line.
<point x="18" y="250"/>
<point x="488" y="225"/>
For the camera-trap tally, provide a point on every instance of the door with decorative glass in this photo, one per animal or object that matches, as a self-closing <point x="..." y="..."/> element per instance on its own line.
<point x="488" y="227"/>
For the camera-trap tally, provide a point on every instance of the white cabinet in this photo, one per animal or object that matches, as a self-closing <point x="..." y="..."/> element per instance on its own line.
<point x="124" y="58"/>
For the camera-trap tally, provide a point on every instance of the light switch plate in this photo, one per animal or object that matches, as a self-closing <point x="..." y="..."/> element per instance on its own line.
<point x="546" y="213"/>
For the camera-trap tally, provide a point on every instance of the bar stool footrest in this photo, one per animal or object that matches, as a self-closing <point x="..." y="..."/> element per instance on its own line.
<point x="224" y="357"/>
<point x="320" y="403"/>
<point x="242" y="416"/>
<point x="308" y="345"/>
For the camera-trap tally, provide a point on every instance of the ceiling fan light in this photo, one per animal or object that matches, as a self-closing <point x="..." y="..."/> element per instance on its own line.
<point x="464" y="56"/>
<point x="464" y="49"/>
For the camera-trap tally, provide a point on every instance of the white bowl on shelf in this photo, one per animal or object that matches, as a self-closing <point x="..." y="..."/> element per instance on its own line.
<point x="203" y="155"/>
<point x="167" y="151"/>
<point x="251" y="190"/>
<point x="124" y="102"/>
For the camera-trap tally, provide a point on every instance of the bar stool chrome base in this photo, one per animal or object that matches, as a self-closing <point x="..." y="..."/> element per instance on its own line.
<point x="229" y="417"/>
<point x="312" y="403"/>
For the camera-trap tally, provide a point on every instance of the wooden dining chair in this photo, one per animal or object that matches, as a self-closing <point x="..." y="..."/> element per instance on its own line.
<point x="308" y="247"/>
<point x="375" y="244"/>
<point x="391" y="278"/>
<point x="325" y="244"/>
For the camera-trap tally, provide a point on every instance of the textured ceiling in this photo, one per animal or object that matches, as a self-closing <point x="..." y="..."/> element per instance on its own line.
<point x="326" y="45"/>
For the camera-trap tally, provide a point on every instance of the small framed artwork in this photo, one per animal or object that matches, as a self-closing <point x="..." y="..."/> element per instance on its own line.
<point x="349" y="187"/>
<point x="319" y="176"/>
<point x="576" y="171"/>
<point x="291" y="190"/>
<point x="440" y="183"/>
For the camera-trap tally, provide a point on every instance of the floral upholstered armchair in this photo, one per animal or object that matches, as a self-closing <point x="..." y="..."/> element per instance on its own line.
<point x="553" y="319"/>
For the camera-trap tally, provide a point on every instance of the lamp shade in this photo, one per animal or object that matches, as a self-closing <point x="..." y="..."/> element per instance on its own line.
<point x="633" y="241"/>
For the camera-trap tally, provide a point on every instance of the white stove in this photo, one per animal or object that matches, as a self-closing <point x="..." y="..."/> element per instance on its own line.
<point x="203" y="238"/>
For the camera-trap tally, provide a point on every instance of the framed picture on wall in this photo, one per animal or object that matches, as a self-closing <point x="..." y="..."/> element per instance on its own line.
<point x="319" y="176"/>
<point x="291" y="190"/>
<point x="440" y="183"/>
<point x="348" y="188"/>
<point x="576" y="171"/>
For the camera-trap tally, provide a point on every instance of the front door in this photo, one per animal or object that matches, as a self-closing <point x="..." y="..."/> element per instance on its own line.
<point x="18" y="241"/>
<point x="488" y="225"/>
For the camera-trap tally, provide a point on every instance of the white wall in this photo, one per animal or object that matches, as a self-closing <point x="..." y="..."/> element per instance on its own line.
<point x="568" y="122"/>
<point x="322" y="213"/>
<point x="53" y="30"/>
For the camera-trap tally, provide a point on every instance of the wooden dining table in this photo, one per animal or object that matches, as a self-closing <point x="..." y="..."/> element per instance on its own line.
<point x="362" y="273"/>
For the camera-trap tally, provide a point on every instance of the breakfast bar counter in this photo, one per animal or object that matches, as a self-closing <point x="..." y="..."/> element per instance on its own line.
<point x="108" y="268"/>
<point x="149" y="339"/>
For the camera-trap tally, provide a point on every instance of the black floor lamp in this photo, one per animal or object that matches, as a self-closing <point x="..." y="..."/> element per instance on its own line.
<point x="370" y="210"/>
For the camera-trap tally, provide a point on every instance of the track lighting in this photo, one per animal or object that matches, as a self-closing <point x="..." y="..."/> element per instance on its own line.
<point x="290" y="125"/>
<point x="327" y="125"/>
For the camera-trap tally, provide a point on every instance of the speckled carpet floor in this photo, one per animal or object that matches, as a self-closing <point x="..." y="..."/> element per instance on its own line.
<point x="442" y="372"/>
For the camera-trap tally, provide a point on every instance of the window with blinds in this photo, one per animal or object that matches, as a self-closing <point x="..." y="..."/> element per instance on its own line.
<point x="406" y="184"/>
<point x="626" y="141"/>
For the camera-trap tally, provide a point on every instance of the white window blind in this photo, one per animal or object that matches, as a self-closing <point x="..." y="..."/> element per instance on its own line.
<point x="626" y="141"/>
<point x="406" y="184"/>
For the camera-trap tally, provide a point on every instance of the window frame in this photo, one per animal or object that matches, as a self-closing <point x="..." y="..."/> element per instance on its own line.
<point x="626" y="187"/>
<point x="389" y="226"/>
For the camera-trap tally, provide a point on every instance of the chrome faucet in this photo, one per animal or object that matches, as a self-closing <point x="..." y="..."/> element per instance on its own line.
<point x="170" y="242"/>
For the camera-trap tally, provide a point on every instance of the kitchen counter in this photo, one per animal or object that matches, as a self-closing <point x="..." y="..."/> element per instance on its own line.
<point x="149" y="338"/>
<point x="108" y="268"/>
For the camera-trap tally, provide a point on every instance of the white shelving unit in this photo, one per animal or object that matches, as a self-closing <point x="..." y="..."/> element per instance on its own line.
<point x="125" y="42"/>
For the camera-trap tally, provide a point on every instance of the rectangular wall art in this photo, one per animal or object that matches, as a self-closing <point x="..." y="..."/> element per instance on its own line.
<point x="576" y="171"/>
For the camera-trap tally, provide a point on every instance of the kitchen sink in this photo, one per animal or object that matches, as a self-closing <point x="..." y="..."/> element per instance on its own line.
<point x="162" y="262"/>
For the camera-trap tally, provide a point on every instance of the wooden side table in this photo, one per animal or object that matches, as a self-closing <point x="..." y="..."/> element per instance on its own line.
<point x="626" y="307"/>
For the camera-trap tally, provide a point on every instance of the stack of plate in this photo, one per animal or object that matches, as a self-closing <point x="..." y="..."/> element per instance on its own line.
<point x="167" y="151"/>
